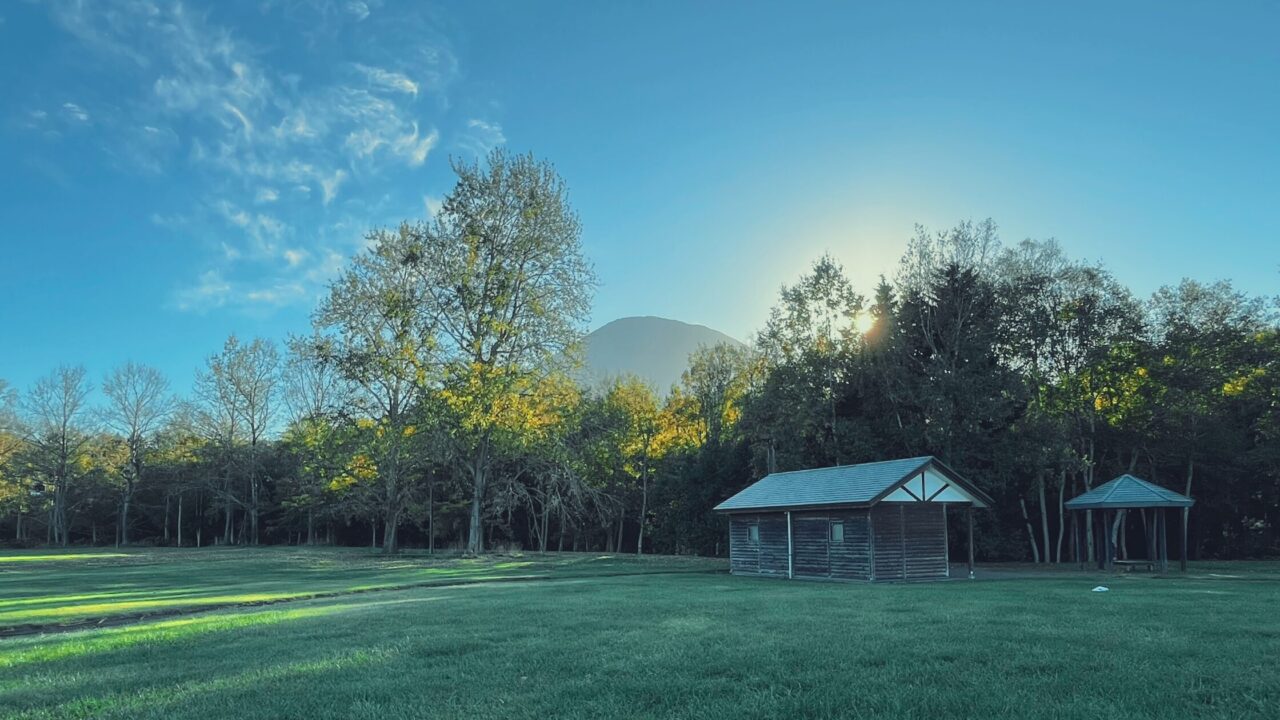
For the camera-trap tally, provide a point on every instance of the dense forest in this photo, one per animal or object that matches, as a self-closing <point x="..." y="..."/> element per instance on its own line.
<point x="433" y="403"/>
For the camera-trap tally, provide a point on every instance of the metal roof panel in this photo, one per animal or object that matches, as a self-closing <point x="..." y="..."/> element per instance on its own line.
<point x="840" y="485"/>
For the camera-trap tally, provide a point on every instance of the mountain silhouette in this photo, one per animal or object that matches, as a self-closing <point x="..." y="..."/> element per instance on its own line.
<point x="652" y="348"/>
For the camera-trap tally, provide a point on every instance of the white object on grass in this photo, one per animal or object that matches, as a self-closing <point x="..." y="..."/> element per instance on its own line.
<point x="1101" y="589"/>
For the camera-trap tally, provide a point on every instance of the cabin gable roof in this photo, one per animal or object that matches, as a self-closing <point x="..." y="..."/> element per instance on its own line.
<point x="917" y="479"/>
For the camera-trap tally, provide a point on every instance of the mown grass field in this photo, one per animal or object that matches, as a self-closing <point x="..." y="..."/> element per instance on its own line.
<point x="588" y="639"/>
<point x="39" y="588"/>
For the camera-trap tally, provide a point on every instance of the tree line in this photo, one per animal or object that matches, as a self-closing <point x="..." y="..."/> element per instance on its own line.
<point x="436" y="402"/>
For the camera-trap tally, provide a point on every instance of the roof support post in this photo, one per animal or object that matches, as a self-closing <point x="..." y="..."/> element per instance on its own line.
<point x="1182" y="562"/>
<point x="1106" y="540"/>
<point x="1162" y="545"/>
<point x="1076" y="553"/>
<point x="790" y="574"/>
<point x="968" y="514"/>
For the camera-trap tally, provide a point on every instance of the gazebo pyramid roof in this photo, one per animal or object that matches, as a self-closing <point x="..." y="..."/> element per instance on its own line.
<point x="1128" y="491"/>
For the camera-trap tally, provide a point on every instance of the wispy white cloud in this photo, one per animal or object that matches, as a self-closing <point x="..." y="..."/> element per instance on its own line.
<point x="331" y="184"/>
<point x="387" y="80"/>
<point x="295" y="256"/>
<point x="283" y="293"/>
<point x="75" y="112"/>
<point x="244" y="121"/>
<point x="210" y="291"/>
<point x="413" y="148"/>
<point x="253" y="136"/>
<point x="482" y="136"/>
<point x="358" y="10"/>
<point x="262" y="229"/>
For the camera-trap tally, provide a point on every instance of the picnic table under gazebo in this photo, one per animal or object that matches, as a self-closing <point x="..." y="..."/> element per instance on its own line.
<point x="1128" y="492"/>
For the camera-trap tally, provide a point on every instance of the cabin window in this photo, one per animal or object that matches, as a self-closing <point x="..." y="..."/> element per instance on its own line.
<point x="837" y="532"/>
<point x="753" y="533"/>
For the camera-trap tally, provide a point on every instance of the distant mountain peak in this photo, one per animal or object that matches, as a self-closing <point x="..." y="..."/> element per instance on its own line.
<point x="655" y="349"/>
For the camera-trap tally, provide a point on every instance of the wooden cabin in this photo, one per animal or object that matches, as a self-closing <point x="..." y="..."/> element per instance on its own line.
<point x="874" y="521"/>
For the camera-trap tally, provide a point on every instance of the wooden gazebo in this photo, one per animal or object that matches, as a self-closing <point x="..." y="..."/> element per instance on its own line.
<point x="1129" y="493"/>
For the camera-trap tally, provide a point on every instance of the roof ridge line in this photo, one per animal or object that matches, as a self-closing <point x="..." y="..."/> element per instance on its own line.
<point x="863" y="464"/>
<point x="1149" y="487"/>
<point x="1115" y="485"/>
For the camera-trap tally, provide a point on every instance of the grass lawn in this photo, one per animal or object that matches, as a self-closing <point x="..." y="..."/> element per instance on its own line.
<point x="686" y="645"/>
<point x="40" y="588"/>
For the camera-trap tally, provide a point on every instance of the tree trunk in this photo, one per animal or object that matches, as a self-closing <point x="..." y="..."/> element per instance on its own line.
<point x="253" y="507"/>
<point x="1044" y="517"/>
<point x="644" y="507"/>
<point x="124" y="518"/>
<point x="475" y="534"/>
<point x="1124" y="536"/>
<point x="179" y="536"/>
<point x="1088" y="485"/>
<point x="390" y="532"/>
<point x="1114" y="530"/>
<point x="1186" y="512"/>
<point x="1062" y="519"/>
<point x="1031" y="532"/>
<point x="167" y="501"/>
<point x="431" y="517"/>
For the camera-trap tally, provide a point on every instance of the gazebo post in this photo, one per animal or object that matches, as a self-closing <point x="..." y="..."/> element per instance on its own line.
<point x="1182" y="561"/>
<point x="1163" y="539"/>
<point x="1156" y="514"/>
<point x="969" y="518"/>
<point x="1100" y="540"/>
<point x="1107" y="519"/>
<point x="1075" y="539"/>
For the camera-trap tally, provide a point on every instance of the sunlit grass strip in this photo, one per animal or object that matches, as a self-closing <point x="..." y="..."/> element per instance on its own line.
<point x="104" y="609"/>
<point x="96" y="641"/>
<point x="60" y="557"/>
<point x="171" y="582"/>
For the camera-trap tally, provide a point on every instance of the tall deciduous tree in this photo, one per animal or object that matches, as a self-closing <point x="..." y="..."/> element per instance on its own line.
<point x="316" y="395"/>
<point x="380" y="333"/>
<point x="55" y="409"/>
<point x="138" y="404"/>
<point x="240" y="389"/>
<point x="506" y="278"/>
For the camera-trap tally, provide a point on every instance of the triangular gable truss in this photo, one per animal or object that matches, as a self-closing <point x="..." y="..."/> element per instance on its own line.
<point x="934" y="483"/>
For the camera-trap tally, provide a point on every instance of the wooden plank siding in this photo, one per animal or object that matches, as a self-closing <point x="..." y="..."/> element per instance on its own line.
<point x="816" y="556"/>
<point x="910" y="541"/>
<point x="773" y="544"/>
<point x="851" y="560"/>
<point x="926" y="540"/>
<point x="769" y="555"/>
<point x="891" y="541"/>
<point x="744" y="556"/>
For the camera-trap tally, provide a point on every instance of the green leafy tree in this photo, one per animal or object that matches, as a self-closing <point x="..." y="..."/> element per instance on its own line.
<point x="380" y="333"/>
<point x="508" y="285"/>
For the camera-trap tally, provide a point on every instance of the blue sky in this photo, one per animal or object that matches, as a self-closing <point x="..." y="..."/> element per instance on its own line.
<point x="171" y="173"/>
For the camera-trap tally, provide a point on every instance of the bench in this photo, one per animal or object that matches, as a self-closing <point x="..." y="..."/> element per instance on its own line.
<point x="1131" y="565"/>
